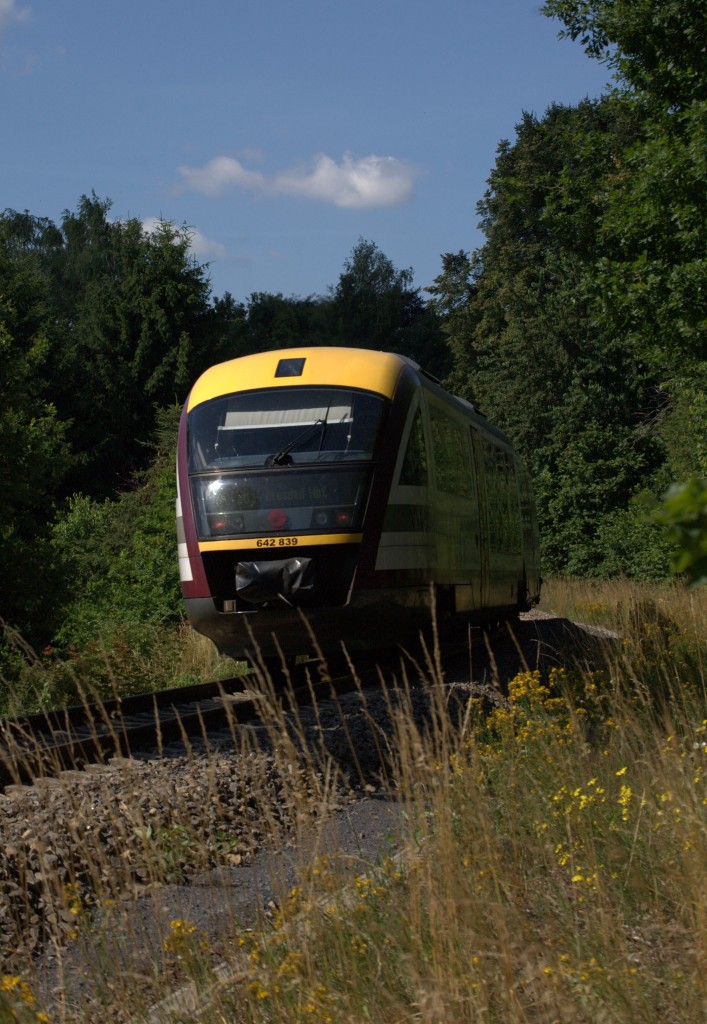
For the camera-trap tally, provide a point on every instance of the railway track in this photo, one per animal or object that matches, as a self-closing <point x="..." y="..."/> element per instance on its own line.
<point x="130" y="818"/>
<point x="46" y="743"/>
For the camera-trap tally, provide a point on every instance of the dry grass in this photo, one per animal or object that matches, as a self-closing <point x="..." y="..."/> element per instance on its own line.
<point x="547" y="877"/>
<point x="136" y="660"/>
<point x="611" y="602"/>
<point x="552" y="865"/>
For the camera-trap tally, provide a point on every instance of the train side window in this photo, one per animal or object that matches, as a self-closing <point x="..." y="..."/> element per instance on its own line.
<point x="527" y="507"/>
<point x="451" y="454"/>
<point x="492" y="497"/>
<point x="414" y="469"/>
<point x="514" y="530"/>
<point x="502" y="498"/>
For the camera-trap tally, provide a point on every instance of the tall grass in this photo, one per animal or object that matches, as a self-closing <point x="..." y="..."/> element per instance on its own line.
<point x="550" y="864"/>
<point x="553" y="870"/>
<point x="131" y="659"/>
<point x="612" y="602"/>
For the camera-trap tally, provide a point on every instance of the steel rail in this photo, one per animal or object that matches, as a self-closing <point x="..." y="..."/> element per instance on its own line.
<point x="47" y="742"/>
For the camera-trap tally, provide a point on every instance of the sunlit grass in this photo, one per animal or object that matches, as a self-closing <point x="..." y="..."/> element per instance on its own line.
<point x="546" y="876"/>
<point x="550" y="865"/>
<point x="612" y="603"/>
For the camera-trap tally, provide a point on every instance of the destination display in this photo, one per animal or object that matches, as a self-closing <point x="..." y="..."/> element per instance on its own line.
<point x="263" y="503"/>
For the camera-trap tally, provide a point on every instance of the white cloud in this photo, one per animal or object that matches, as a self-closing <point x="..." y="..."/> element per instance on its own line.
<point x="370" y="181"/>
<point x="213" y="178"/>
<point x="364" y="182"/>
<point x="10" y="13"/>
<point x="205" y="248"/>
<point x="201" y="247"/>
<point x="151" y="224"/>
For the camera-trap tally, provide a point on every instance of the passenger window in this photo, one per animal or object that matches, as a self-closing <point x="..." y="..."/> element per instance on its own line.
<point x="502" y="497"/>
<point x="414" y="468"/>
<point x="451" y="454"/>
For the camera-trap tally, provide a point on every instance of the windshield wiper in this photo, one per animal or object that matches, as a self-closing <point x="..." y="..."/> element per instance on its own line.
<point x="283" y="458"/>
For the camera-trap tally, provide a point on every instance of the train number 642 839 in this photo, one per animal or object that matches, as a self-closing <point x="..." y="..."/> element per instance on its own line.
<point x="277" y="542"/>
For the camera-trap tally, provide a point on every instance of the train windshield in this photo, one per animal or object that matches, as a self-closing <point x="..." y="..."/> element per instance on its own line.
<point x="284" y="426"/>
<point x="283" y="460"/>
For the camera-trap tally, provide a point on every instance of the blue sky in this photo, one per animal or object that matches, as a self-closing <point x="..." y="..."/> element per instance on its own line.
<point x="279" y="131"/>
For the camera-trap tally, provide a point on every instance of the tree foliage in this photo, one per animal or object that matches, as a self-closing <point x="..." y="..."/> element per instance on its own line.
<point x="649" y="287"/>
<point x="374" y="305"/>
<point x="133" y="310"/>
<point x="120" y="553"/>
<point x="684" y="512"/>
<point x="653" y="268"/>
<point x="274" y="321"/>
<point x="34" y="453"/>
<point x="580" y="324"/>
<point x="657" y="46"/>
<point x="527" y="345"/>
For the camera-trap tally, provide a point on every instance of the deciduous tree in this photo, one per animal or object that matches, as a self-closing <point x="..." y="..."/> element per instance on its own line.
<point x="374" y="305"/>
<point x="528" y="347"/>
<point x="34" y="454"/>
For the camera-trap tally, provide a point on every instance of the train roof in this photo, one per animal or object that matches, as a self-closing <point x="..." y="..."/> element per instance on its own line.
<point x="345" y="367"/>
<point x="324" y="366"/>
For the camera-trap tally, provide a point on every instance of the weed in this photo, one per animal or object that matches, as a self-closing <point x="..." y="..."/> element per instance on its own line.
<point x="550" y="864"/>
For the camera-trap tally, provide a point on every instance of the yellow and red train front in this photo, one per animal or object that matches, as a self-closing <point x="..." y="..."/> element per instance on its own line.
<point x="277" y="458"/>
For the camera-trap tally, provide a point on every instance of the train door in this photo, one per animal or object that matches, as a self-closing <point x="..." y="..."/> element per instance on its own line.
<point x="503" y="510"/>
<point x="454" y="499"/>
<point x="483" y="535"/>
<point x="529" y="530"/>
<point x="407" y="548"/>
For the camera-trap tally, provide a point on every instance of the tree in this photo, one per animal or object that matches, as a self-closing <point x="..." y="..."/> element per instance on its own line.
<point x="34" y="454"/>
<point x="584" y="328"/>
<point x="684" y="512"/>
<point x="275" y="322"/>
<point x="133" y="309"/>
<point x="657" y="46"/>
<point x="528" y="347"/>
<point x="227" y="333"/>
<point x="375" y="306"/>
<point x="650" y="280"/>
<point x="452" y="289"/>
<point x="120" y="553"/>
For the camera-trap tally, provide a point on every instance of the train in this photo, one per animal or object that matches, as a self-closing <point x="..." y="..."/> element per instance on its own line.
<point x="343" y="496"/>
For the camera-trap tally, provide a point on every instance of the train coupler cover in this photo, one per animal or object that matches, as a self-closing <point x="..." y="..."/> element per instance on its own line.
<point x="258" y="582"/>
